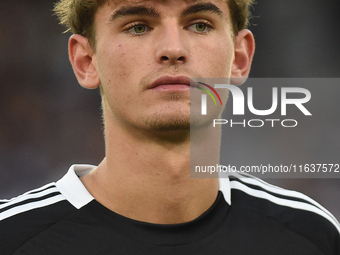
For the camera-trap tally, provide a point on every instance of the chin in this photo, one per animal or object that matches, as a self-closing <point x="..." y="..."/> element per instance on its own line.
<point x="178" y="122"/>
<point x="164" y="123"/>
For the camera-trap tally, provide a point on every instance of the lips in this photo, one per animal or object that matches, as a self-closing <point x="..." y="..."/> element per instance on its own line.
<point x="170" y="80"/>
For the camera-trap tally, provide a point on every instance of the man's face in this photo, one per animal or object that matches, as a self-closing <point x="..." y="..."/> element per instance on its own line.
<point x="146" y="51"/>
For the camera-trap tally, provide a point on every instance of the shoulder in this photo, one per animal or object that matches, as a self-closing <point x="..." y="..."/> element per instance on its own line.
<point x="38" y="198"/>
<point x="26" y="216"/>
<point x="292" y="210"/>
<point x="29" y="215"/>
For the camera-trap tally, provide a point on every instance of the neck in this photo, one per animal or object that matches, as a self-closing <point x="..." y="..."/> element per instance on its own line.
<point x="147" y="177"/>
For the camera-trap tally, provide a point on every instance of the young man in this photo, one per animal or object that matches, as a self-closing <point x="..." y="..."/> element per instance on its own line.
<point x="141" y="199"/>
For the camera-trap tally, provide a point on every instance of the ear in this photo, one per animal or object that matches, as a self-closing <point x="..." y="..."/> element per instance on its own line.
<point x="83" y="61"/>
<point x="244" y="52"/>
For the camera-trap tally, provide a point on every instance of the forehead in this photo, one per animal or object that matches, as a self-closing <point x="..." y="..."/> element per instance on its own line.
<point x="119" y="2"/>
<point x="116" y="4"/>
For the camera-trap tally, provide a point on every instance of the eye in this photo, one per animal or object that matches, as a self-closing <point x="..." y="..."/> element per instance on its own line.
<point x="200" y="27"/>
<point x="137" y="29"/>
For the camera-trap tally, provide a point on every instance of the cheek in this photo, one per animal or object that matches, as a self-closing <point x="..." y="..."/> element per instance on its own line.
<point x="115" y="62"/>
<point x="216" y="58"/>
<point x="113" y="72"/>
<point x="120" y="70"/>
<point x="124" y="62"/>
<point x="223" y="57"/>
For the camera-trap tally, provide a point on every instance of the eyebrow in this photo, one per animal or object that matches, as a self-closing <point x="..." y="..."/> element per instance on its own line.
<point x="203" y="7"/>
<point x="134" y="10"/>
<point x="151" y="12"/>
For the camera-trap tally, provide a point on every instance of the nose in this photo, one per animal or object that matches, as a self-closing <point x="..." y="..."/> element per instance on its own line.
<point x="171" y="45"/>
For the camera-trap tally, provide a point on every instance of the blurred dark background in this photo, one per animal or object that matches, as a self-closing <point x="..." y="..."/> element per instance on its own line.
<point x="48" y="122"/>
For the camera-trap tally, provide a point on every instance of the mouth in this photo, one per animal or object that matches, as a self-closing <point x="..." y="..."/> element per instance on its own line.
<point x="171" y="83"/>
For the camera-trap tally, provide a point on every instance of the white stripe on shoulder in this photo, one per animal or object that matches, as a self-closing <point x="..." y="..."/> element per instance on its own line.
<point x="280" y="191"/>
<point x="30" y="206"/>
<point x="284" y="202"/>
<point x="28" y="195"/>
<point x="28" y="192"/>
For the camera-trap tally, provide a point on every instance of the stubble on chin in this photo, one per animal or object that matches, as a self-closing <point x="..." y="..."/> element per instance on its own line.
<point x="177" y="121"/>
<point x="162" y="122"/>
